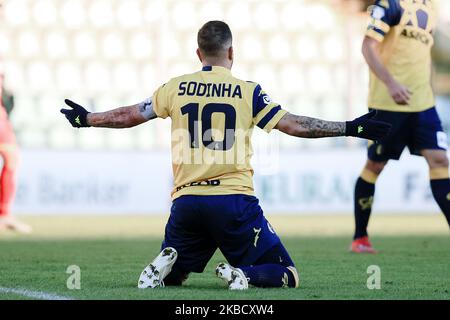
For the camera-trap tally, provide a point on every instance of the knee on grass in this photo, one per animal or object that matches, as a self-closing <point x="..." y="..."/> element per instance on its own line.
<point x="272" y="275"/>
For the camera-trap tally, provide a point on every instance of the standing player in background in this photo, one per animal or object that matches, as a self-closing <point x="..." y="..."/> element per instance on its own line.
<point x="397" y="48"/>
<point x="9" y="156"/>
<point x="213" y="114"/>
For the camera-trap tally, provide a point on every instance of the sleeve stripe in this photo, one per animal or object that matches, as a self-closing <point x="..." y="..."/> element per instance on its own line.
<point x="379" y="24"/>
<point x="272" y="123"/>
<point x="264" y="121"/>
<point x="379" y="31"/>
<point x="256" y="92"/>
<point x="375" y="35"/>
<point x="264" y="112"/>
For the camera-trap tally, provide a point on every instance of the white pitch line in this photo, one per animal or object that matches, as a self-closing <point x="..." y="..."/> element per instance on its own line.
<point x="33" y="294"/>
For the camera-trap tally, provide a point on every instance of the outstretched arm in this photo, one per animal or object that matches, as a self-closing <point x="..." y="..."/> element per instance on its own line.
<point x="306" y="127"/>
<point x="363" y="127"/>
<point x="123" y="117"/>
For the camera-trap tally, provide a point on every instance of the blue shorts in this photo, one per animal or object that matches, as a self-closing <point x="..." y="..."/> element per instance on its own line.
<point x="416" y="130"/>
<point x="235" y="224"/>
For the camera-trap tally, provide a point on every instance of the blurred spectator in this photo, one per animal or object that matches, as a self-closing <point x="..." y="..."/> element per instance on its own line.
<point x="9" y="155"/>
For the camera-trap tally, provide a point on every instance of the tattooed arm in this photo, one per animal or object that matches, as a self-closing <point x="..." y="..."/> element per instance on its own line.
<point x="306" y="127"/>
<point x="124" y="117"/>
<point x="366" y="127"/>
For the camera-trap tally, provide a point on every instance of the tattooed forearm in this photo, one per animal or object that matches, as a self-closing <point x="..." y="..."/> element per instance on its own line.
<point x="307" y="127"/>
<point x="124" y="117"/>
<point x="316" y="128"/>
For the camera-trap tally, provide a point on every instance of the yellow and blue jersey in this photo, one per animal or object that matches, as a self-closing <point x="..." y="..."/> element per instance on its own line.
<point x="405" y="30"/>
<point x="213" y="114"/>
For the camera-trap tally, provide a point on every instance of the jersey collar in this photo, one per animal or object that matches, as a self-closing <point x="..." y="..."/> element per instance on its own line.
<point x="216" y="69"/>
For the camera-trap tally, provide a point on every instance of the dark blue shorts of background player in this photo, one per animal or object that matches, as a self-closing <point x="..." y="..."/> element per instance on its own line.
<point x="234" y="224"/>
<point x="415" y="130"/>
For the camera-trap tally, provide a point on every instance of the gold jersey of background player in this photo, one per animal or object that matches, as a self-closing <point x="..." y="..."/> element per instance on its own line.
<point x="405" y="30"/>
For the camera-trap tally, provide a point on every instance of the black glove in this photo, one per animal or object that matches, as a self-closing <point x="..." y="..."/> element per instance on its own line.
<point x="367" y="127"/>
<point x="76" y="115"/>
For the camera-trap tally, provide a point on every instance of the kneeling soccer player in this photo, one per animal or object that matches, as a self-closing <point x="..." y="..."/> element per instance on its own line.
<point x="214" y="207"/>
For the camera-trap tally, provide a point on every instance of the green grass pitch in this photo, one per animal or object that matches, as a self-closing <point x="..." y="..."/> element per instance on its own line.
<point x="111" y="253"/>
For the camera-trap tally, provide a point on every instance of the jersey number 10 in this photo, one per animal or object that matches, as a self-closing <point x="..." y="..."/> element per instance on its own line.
<point x="192" y="110"/>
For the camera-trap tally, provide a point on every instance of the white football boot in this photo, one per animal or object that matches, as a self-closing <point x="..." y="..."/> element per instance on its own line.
<point x="234" y="277"/>
<point x="154" y="274"/>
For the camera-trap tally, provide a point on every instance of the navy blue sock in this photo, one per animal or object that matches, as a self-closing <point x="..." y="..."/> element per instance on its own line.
<point x="441" y="193"/>
<point x="269" y="275"/>
<point x="364" y="192"/>
<point x="176" y="277"/>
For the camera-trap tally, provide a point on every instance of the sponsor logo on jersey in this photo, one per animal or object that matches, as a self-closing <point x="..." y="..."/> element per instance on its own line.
<point x="200" y="183"/>
<point x="266" y="99"/>
<point x="416" y="35"/>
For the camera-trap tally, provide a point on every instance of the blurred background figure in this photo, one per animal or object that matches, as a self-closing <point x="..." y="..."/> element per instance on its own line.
<point x="9" y="155"/>
<point x="397" y="49"/>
